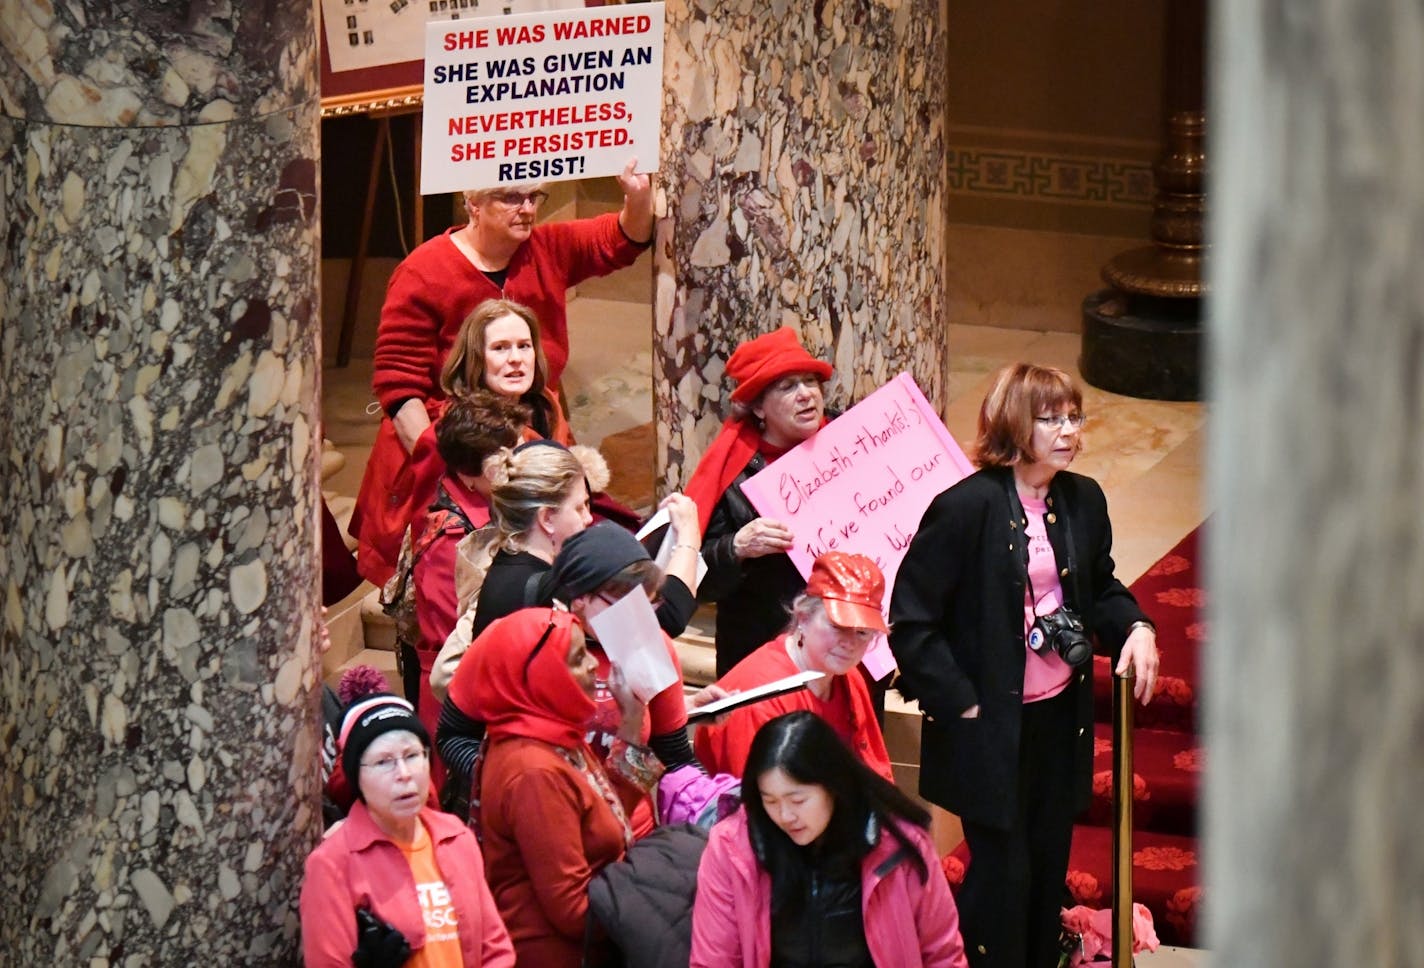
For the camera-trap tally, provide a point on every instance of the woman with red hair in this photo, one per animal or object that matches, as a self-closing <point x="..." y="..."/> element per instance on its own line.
<point x="1008" y="581"/>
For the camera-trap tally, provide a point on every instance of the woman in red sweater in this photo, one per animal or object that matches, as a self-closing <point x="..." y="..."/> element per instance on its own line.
<point x="498" y="348"/>
<point x="832" y="625"/>
<point x="498" y="253"/>
<point x="552" y="815"/>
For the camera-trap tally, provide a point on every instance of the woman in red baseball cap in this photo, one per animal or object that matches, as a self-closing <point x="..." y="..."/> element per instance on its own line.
<point x="777" y="404"/>
<point x="832" y="624"/>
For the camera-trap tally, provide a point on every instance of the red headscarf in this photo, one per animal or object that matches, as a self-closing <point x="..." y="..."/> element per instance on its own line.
<point x="755" y="365"/>
<point x="516" y="679"/>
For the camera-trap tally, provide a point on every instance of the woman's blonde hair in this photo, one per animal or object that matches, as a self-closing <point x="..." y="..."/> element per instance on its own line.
<point x="1020" y="393"/>
<point x="541" y="474"/>
<point x="464" y="368"/>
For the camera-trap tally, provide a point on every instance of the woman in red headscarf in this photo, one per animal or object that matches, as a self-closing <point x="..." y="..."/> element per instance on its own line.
<point x="551" y="814"/>
<point x="777" y="403"/>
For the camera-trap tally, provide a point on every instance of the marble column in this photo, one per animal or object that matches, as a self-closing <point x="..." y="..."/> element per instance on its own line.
<point x="803" y="184"/>
<point x="1315" y="713"/>
<point x="158" y="446"/>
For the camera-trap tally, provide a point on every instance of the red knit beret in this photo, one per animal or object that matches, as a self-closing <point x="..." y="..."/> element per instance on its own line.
<point x="758" y="363"/>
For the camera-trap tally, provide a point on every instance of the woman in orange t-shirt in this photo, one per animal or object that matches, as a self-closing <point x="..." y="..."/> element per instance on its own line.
<point x="397" y="883"/>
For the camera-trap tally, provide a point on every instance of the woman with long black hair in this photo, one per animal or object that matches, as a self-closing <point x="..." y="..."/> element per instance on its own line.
<point x="825" y="864"/>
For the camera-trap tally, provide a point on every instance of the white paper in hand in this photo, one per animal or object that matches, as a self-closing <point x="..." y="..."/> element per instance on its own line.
<point x="629" y="632"/>
<point x="662" y="519"/>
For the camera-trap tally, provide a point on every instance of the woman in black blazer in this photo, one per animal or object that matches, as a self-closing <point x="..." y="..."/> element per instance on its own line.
<point x="981" y="629"/>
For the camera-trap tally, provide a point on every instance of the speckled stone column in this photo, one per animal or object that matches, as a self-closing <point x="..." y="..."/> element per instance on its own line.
<point x="1315" y="670"/>
<point x="803" y="176"/>
<point x="158" y="386"/>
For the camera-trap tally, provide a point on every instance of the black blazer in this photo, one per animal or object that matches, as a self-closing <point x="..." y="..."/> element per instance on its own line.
<point x="957" y="633"/>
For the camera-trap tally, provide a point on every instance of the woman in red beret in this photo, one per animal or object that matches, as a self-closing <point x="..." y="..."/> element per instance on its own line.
<point x="777" y="403"/>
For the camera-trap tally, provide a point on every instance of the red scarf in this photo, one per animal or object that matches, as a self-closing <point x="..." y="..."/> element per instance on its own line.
<point x="731" y="450"/>
<point x="499" y="684"/>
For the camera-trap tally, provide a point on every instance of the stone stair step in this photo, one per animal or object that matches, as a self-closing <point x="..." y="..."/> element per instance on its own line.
<point x="698" y="656"/>
<point x="1166" y="877"/>
<point x="341" y="507"/>
<point x="332" y="460"/>
<point x="1166" y="766"/>
<point x="378" y="627"/>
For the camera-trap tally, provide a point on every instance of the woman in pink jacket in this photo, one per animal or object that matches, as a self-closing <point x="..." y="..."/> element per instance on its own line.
<point x="826" y="864"/>
<point x="397" y="883"/>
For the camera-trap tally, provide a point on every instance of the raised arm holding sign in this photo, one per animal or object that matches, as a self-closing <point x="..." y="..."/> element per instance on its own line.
<point x="541" y="96"/>
<point x="523" y="64"/>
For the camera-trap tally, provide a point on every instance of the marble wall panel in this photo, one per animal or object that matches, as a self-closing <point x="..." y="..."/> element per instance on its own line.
<point x="159" y="380"/>
<point x="802" y="183"/>
<point x="138" y="64"/>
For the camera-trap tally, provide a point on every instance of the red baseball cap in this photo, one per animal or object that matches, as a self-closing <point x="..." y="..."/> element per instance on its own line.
<point x="852" y="589"/>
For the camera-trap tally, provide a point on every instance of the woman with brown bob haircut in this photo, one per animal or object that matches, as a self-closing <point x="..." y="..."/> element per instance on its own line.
<point x="1006" y="587"/>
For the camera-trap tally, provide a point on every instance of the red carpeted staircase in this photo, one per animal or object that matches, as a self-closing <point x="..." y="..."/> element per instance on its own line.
<point x="1167" y="762"/>
<point x="1167" y="765"/>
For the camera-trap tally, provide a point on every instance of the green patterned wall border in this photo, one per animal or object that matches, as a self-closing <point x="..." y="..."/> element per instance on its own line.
<point x="1035" y="176"/>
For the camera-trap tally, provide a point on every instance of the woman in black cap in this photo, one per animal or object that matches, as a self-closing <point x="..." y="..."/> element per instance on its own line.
<point x="396" y="877"/>
<point x="594" y="568"/>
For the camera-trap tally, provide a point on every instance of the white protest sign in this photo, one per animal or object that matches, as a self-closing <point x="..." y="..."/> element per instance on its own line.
<point x="861" y="484"/>
<point x="662" y="518"/>
<point x="541" y="97"/>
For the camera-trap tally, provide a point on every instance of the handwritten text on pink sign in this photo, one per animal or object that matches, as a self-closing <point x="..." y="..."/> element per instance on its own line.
<point x="862" y="483"/>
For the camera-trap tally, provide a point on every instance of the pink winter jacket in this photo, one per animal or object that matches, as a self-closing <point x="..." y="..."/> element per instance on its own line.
<point x="731" y="918"/>
<point x="359" y="866"/>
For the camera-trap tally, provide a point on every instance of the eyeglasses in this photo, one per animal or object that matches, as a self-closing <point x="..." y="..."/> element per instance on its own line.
<point x="517" y="199"/>
<point x="1060" y="420"/>
<point x="387" y="764"/>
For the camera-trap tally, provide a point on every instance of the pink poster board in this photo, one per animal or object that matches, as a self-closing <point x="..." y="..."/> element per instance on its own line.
<point x="862" y="483"/>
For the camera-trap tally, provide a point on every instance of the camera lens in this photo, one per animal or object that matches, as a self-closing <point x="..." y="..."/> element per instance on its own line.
<point x="1074" y="649"/>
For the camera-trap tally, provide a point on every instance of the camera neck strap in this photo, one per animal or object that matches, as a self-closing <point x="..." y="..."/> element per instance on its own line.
<point x="1016" y="508"/>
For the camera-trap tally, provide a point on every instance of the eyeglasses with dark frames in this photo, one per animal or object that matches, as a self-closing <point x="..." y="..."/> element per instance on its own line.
<point x="515" y="199"/>
<point x="387" y="764"/>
